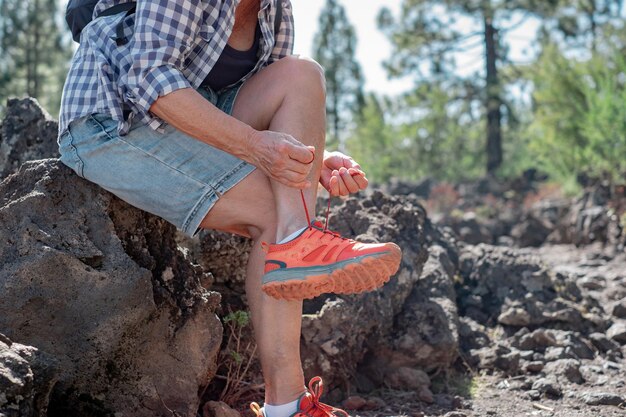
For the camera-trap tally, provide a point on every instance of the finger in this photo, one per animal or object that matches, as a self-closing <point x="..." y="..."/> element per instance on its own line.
<point x="296" y="166"/>
<point x="334" y="185"/>
<point x="325" y="177"/>
<point x="342" y="187"/>
<point x="361" y="181"/>
<point x="355" y="171"/>
<point x="300" y="153"/>
<point x="348" y="162"/>
<point x="334" y="160"/>
<point x="349" y="182"/>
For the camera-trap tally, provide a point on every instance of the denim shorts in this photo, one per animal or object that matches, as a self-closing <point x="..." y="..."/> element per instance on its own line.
<point x="170" y="174"/>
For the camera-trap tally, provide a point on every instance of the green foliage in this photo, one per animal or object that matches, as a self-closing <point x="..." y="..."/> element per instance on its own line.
<point x="445" y="134"/>
<point x="582" y="22"/>
<point x="238" y="318"/>
<point x="429" y="35"/>
<point x="427" y="38"/>
<point x="436" y="136"/>
<point x="236" y="358"/>
<point x="374" y="142"/>
<point x="35" y="50"/>
<point x="580" y="116"/>
<point x="456" y="383"/>
<point x="334" y="49"/>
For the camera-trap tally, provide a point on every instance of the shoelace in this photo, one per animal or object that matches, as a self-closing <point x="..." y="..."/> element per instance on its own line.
<point x="316" y="408"/>
<point x="256" y="409"/>
<point x="308" y="218"/>
<point x="316" y="387"/>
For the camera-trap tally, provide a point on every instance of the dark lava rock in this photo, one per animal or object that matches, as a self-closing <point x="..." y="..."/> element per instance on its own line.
<point x="472" y="335"/>
<point x="619" y="309"/>
<point x="28" y="132"/>
<point x="469" y="227"/>
<point x="617" y="332"/>
<point x="534" y="366"/>
<point x="602" y="398"/>
<point x="534" y="394"/>
<point x="388" y="328"/>
<point x="498" y="357"/>
<point x="27" y="376"/>
<point x="536" y="340"/>
<point x="569" y="368"/>
<point x="102" y="288"/>
<point x="494" y="276"/>
<point x="603" y="343"/>
<point x="548" y="386"/>
<point x="531" y="231"/>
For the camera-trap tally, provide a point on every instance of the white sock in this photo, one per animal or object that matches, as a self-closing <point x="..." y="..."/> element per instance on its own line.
<point x="291" y="236"/>
<point x="283" y="410"/>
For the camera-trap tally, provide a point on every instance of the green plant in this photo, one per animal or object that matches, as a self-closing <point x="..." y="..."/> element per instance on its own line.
<point x="456" y="383"/>
<point x="580" y="117"/>
<point x="237" y="357"/>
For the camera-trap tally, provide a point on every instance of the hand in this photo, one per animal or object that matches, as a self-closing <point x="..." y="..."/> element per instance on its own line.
<point x="281" y="157"/>
<point x="341" y="175"/>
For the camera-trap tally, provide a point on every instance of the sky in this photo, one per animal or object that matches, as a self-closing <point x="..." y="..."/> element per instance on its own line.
<point x="373" y="47"/>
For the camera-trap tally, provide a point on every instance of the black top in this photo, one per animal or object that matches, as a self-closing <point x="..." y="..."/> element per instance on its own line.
<point x="233" y="64"/>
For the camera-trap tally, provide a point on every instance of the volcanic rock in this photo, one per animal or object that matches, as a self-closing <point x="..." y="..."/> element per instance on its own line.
<point x="27" y="132"/>
<point x="102" y="288"/>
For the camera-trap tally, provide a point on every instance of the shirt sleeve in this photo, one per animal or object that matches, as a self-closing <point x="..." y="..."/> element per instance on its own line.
<point x="283" y="46"/>
<point x="162" y="38"/>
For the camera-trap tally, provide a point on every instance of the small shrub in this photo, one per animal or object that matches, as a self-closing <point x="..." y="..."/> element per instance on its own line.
<point x="237" y="362"/>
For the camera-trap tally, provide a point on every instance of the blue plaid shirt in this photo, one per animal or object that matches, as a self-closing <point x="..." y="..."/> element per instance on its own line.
<point x="172" y="45"/>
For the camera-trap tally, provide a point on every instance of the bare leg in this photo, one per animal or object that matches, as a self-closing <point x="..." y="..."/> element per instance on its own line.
<point x="277" y="325"/>
<point x="294" y="98"/>
<point x="292" y="95"/>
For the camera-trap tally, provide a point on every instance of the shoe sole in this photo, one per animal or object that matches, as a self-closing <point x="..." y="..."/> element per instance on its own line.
<point x="368" y="274"/>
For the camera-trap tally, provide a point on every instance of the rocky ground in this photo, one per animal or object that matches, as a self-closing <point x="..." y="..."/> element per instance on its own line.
<point x="582" y="383"/>
<point x="510" y="301"/>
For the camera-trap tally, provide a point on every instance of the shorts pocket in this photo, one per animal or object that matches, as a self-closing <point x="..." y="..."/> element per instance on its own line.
<point x="104" y="123"/>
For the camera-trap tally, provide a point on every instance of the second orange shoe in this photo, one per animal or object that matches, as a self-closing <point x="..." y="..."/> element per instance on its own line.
<point x="320" y="261"/>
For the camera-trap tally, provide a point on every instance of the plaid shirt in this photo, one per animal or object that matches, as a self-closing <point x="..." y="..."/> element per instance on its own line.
<point x="172" y="45"/>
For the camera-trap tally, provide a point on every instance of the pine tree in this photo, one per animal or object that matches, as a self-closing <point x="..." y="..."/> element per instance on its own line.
<point x="34" y="51"/>
<point x="582" y="22"/>
<point x="334" y="49"/>
<point x="426" y="38"/>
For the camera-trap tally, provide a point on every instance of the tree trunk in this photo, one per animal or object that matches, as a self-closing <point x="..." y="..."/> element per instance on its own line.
<point x="36" y="49"/>
<point x="335" y="98"/>
<point x="28" y="35"/>
<point x="494" y="102"/>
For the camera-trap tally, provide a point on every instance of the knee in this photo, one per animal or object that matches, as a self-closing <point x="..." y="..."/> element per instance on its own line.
<point x="264" y="232"/>
<point x="264" y="226"/>
<point x="303" y="73"/>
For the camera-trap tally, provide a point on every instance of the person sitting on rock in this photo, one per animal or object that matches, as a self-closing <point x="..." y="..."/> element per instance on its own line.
<point x="200" y="114"/>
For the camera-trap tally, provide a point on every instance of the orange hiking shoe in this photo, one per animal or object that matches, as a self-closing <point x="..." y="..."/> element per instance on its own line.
<point x="320" y="261"/>
<point x="309" y="404"/>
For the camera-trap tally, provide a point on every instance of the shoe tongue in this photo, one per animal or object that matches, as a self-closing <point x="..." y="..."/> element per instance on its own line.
<point x="306" y="405"/>
<point x="305" y="401"/>
<point x="317" y="224"/>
